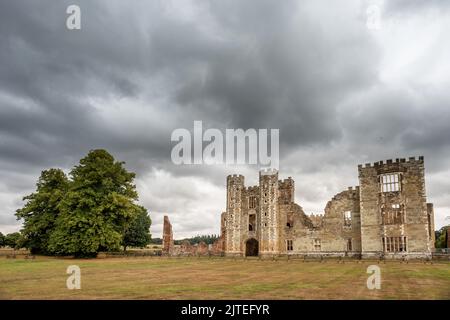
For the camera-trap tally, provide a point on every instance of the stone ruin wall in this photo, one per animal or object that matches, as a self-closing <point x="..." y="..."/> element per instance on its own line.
<point x="269" y="228"/>
<point x="276" y="208"/>
<point x="187" y="249"/>
<point x="327" y="232"/>
<point x="168" y="243"/>
<point x="418" y="216"/>
<point x="268" y="213"/>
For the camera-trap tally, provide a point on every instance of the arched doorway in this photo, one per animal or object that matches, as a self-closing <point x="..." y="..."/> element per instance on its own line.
<point x="251" y="247"/>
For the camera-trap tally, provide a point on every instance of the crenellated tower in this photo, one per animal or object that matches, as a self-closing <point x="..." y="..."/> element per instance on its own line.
<point x="395" y="217"/>
<point x="235" y="189"/>
<point x="269" y="213"/>
<point x="286" y="189"/>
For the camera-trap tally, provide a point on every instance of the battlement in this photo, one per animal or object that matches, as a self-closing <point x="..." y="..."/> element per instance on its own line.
<point x="286" y="183"/>
<point x="252" y="189"/>
<point x="316" y="219"/>
<point x="235" y="179"/>
<point x="268" y="172"/>
<point x="380" y="163"/>
<point x="235" y="176"/>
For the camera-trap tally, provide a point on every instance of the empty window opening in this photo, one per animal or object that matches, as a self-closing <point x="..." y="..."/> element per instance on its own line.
<point x="251" y="222"/>
<point x="252" y="202"/>
<point x="390" y="182"/>
<point x="347" y="218"/>
<point x="394" y="244"/>
<point x="289" y="245"/>
<point x="393" y="214"/>
<point x="317" y="245"/>
<point x="349" y="245"/>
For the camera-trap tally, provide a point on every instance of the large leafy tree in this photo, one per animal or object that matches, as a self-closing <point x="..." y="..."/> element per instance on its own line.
<point x="137" y="233"/>
<point x="97" y="207"/>
<point x="42" y="209"/>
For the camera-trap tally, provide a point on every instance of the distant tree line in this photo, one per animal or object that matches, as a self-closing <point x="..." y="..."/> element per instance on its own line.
<point x="208" y="239"/>
<point x="12" y="240"/>
<point x="156" y="241"/>
<point x="93" y="210"/>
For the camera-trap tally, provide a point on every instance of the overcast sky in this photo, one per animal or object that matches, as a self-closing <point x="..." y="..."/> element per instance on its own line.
<point x="340" y="93"/>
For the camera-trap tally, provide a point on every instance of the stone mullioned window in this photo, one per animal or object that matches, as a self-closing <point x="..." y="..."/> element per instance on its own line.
<point x="289" y="245"/>
<point x="393" y="214"/>
<point x="390" y="182"/>
<point x="252" y="202"/>
<point x="317" y="245"/>
<point x="394" y="244"/>
<point x="347" y="219"/>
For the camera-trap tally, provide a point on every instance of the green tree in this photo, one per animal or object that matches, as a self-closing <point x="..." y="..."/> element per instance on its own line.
<point x="138" y="232"/>
<point x="42" y="209"/>
<point x="2" y="240"/>
<point x="97" y="207"/>
<point x="441" y="237"/>
<point x="12" y="240"/>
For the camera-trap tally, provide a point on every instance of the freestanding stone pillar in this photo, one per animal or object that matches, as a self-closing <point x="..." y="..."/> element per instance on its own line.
<point x="167" y="237"/>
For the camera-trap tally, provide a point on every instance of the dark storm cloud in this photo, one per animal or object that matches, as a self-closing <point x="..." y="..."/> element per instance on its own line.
<point x="277" y="73"/>
<point x="252" y="72"/>
<point x="138" y="70"/>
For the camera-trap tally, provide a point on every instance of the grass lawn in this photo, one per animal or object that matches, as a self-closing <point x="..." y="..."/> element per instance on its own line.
<point x="219" y="278"/>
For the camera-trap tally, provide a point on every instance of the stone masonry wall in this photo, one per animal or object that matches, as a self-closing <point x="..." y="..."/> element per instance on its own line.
<point x="410" y="199"/>
<point x="269" y="240"/>
<point x="235" y="189"/>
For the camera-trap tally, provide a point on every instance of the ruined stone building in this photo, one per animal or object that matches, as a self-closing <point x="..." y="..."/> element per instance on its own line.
<point x="386" y="215"/>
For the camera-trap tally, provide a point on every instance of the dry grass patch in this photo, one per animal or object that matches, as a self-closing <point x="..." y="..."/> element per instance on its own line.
<point x="219" y="278"/>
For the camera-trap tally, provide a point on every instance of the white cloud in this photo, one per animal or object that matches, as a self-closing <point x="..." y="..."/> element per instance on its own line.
<point x="192" y="203"/>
